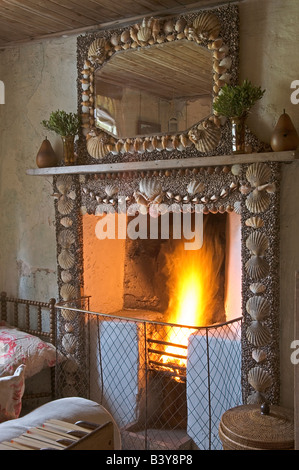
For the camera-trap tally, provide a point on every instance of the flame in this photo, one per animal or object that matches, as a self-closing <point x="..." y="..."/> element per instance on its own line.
<point x="194" y="280"/>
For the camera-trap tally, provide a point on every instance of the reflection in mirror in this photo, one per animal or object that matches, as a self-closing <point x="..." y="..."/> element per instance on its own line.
<point x="165" y="88"/>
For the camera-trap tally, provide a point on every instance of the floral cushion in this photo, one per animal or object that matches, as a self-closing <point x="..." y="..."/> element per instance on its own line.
<point x="18" y="347"/>
<point x="11" y="393"/>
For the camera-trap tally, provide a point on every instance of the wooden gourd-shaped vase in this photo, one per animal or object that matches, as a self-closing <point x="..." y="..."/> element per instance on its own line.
<point x="284" y="136"/>
<point x="46" y="157"/>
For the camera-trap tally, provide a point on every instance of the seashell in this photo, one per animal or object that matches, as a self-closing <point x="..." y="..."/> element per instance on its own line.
<point x="156" y="26"/>
<point x="245" y="189"/>
<point x="111" y="190"/>
<point x="238" y="207"/>
<point x="258" y="201"/>
<point x="180" y="25"/>
<point x="259" y="355"/>
<point x="257" y="288"/>
<point x="259" y="379"/>
<point x="144" y="33"/>
<point x="258" y="308"/>
<point x="66" y="276"/>
<point x="66" y="222"/>
<point x="257" y="268"/>
<point x="258" y="174"/>
<point x="96" y="148"/>
<point x="66" y="238"/>
<point x="96" y="49"/>
<point x="258" y="334"/>
<point x="207" y="26"/>
<point x="69" y="343"/>
<point x="68" y="315"/>
<point x="68" y="292"/>
<point x="65" y="205"/>
<point x="125" y="36"/>
<point x="150" y="188"/>
<point x="64" y="183"/>
<point x="255" y="398"/>
<point x="257" y="243"/>
<point x="66" y="259"/>
<point x="236" y="169"/>
<point x="195" y="187"/>
<point x="254" y="222"/>
<point x="168" y="27"/>
<point x="205" y="136"/>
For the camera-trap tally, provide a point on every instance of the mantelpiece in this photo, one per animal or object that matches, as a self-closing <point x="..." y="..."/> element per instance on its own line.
<point x="222" y="160"/>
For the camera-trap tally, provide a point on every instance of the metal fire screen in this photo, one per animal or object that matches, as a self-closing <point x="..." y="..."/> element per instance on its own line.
<point x="162" y="394"/>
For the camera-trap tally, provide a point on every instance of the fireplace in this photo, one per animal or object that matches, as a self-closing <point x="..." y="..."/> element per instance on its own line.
<point x="131" y="305"/>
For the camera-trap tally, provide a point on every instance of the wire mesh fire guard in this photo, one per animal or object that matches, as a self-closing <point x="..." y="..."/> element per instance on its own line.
<point x="163" y="392"/>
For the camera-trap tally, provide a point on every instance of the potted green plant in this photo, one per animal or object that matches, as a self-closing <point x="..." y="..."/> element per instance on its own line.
<point x="235" y="102"/>
<point x="66" y="125"/>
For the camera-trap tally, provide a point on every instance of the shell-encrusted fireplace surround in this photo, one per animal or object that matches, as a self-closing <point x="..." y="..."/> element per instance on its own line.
<point x="250" y="189"/>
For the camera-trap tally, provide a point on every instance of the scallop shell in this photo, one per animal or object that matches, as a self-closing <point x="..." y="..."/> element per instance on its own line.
<point x="258" y="334"/>
<point x="96" y="49"/>
<point x="66" y="238"/>
<point x="258" y="174"/>
<point x="257" y="288"/>
<point x="259" y="355"/>
<point x="66" y="259"/>
<point x="68" y="292"/>
<point x="66" y="276"/>
<point x="150" y="188"/>
<point x="254" y="222"/>
<point x="259" y="379"/>
<point x="69" y="343"/>
<point x="64" y="183"/>
<point x="195" y="187"/>
<point x="111" y="190"/>
<point x="207" y="26"/>
<point x="68" y="315"/>
<point x="257" y="268"/>
<point x="144" y="33"/>
<point x="258" y="308"/>
<point x="257" y="243"/>
<point x="205" y="136"/>
<point x="258" y="201"/>
<point x="66" y="222"/>
<point x="96" y="148"/>
<point x="255" y="398"/>
<point x="65" y="205"/>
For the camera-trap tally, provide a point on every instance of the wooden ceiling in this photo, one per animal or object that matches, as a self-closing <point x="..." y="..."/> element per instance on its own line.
<point x="22" y="21"/>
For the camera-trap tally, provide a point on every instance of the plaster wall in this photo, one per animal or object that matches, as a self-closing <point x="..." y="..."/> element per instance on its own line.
<point x="41" y="77"/>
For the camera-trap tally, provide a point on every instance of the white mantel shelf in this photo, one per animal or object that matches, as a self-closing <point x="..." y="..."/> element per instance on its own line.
<point x="175" y="164"/>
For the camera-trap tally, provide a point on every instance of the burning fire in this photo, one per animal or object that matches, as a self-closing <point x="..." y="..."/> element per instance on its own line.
<point x="194" y="280"/>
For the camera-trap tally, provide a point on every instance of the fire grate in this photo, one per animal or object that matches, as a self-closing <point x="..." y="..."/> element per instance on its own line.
<point x="162" y="394"/>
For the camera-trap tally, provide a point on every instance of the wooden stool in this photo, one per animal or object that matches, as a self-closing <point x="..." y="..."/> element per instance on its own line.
<point x="247" y="427"/>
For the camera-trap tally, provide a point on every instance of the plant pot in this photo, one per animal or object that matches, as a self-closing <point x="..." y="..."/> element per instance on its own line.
<point x="68" y="142"/>
<point x="238" y="134"/>
<point x="46" y="157"/>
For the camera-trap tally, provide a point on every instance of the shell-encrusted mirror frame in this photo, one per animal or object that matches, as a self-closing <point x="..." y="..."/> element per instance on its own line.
<point x="206" y="29"/>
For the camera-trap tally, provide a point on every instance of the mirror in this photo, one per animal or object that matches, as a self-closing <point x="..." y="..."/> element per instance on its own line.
<point x="166" y="88"/>
<point x="151" y="86"/>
